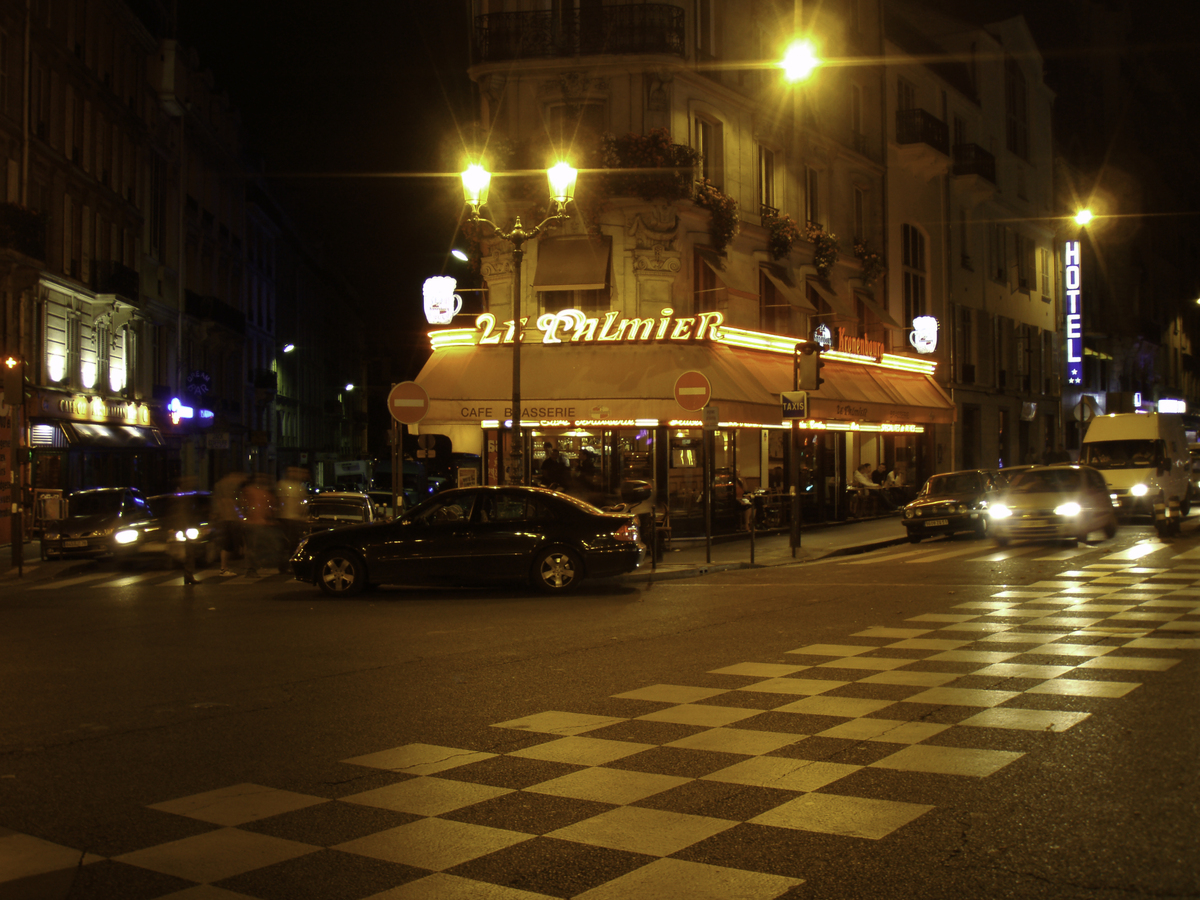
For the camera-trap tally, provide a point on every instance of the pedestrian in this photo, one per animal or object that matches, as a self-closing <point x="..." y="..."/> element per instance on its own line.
<point x="227" y="518"/>
<point x="180" y="517"/>
<point x="745" y="504"/>
<point x="293" y="515"/>
<point x="261" y="529"/>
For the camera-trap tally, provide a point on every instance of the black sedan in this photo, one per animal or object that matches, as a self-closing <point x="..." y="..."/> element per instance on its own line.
<point x="953" y="502"/>
<point x="99" y="522"/>
<point x="476" y="535"/>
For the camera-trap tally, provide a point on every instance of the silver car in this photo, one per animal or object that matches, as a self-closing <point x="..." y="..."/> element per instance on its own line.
<point x="1053" y="503"/>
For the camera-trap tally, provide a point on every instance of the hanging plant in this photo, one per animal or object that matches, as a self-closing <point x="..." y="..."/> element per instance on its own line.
<point x="825" y="249"/>
<point x="872" y="262"/>
<point x="723" y="208"/>
<point x="628" y="153"/>
<point x="782" y="234"/>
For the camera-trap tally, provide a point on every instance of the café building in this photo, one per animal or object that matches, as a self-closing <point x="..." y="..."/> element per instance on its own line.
<point x="669" y="398"/>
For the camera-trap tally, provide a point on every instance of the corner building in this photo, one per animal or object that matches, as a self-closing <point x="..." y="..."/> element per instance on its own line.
<point x="722" y="218"/>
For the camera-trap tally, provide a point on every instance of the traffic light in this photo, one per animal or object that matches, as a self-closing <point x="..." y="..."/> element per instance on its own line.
<point x="809" y="365"/>
<point x="14" y="381"/>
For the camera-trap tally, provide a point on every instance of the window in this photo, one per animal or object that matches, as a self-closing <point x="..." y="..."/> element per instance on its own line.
<point x="912" y="260"/>
<point x="812" y="205"/>
<point x="3" y="71"/>
<point x="860" y="214"/>
<point x="998" y="252"/>
<point x="906" y="95"/>
<point x="965" y="335"/>
<point x="959" y="132"/>
<point x="766" y="180"/>
<point x="709" y="145"/>
<point x="964" y="239"/>
<point x="705" y="28"/>
<point x="575" y="125"/>
<point x="1016" y="109"/>
<point x="776" y="312"/>
<point x="709" y="293"/>
<point x="1024" y="262"/>
<point x="1045" y="260"/>
<point x="856" y="111"/>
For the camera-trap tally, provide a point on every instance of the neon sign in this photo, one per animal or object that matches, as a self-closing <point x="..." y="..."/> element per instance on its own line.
<point x="441" y="303"/>
<point x="574" y="326"/>
<point x="1074" y="323"/>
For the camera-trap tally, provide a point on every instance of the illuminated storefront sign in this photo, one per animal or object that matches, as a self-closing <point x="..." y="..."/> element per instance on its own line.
<point x="441" y="303"/>
<point x="573" y="326"/>
<point x="923" y="336"/>
<point x="859" y="346"/>
<point x="1074" y="326"/>
<point x="96" y="408"/>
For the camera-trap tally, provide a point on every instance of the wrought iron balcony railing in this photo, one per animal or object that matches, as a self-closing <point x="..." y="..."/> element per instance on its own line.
<point x="625" y="29"/>
<point x="916" y="126"/>
<point x="971" y="159"/>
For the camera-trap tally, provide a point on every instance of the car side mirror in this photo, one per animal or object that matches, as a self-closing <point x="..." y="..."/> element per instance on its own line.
<point x="1164" y="467"/>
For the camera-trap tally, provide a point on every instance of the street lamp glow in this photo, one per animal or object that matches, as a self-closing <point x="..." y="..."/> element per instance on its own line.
<point x="562" y="182"/>
<point x="1083" y="217"/>
<point x="459" y="255"/>
<point x="799" y="61"/>
<point x="349" y="387"/>
<point x="475" y="181"/>
<point x="288" y="348"/>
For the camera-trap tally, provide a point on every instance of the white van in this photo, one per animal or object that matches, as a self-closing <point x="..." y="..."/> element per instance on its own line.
<point x="1144" y="459"/>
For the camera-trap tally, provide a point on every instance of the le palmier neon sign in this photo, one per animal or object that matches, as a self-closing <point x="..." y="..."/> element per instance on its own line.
<point x="574" y="326"/>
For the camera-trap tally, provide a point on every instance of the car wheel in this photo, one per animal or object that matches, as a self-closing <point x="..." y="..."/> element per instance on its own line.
<point x="914" y="538"/>
<point x="1110" y="530"/>
<point x="1185" y="505"/>
<point x="557" y="571"/>
<point x="1001" y="540"/>
<point x="341" y="574"/>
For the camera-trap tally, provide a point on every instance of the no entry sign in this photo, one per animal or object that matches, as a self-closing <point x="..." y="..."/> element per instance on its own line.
<point x="408" y="402"/>
<point x="692" y="390"/>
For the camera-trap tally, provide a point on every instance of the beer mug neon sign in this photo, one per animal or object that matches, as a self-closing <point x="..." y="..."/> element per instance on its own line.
<point x="441" y="303"/>
<point x="924" y="332"/>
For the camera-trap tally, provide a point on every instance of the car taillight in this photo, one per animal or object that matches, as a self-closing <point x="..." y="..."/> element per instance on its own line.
<point x="626" y="533"/>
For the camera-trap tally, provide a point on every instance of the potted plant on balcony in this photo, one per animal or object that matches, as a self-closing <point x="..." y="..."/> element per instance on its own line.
<point x="782" y="234"/>
<point x="825" y="248"/>
<point x="872" y="262"/>
<point x="724" y="211"/>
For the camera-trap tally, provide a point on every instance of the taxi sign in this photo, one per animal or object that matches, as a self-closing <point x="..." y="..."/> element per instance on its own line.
<point x="795" y="404"/>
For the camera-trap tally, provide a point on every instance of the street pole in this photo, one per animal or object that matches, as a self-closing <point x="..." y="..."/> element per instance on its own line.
<point x="517" y="461"/>
<point x="794" y="538"/>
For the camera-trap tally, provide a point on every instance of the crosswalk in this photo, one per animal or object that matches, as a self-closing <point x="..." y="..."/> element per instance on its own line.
<point x="166" y="578"/>
<point x="988" y="553"/>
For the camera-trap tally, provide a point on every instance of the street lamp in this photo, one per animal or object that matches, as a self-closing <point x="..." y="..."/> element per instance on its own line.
<point x="475" y="181"/>
<point x="799" y="61"/>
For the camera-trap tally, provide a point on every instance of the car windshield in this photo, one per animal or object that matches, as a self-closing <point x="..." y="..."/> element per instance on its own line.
<point x="337" y="510"/>
<point x="1046" y="481"/>
<point x="961" y="483"/>
<point x="104" y="503"/>
<point x="1135" y="454"/>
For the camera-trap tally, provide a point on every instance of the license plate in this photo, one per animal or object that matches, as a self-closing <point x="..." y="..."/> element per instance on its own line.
<point x="74" y="543"/>
<point x="932" y="522"/>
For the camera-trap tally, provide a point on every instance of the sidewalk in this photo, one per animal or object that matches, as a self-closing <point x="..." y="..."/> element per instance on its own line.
<point x="687" y="557"/>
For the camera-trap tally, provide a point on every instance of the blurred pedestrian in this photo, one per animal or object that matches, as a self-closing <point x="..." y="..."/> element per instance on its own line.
<point x="227" y="517"/>
<point x="180" y="517"/>
<point x="258" y="497"/>
<point x="293" y="515"/>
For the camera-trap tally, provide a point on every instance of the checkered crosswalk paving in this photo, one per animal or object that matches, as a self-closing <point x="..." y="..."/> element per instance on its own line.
<point x="636" y="803"/>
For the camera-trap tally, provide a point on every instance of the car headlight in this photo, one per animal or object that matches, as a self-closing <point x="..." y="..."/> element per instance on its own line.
<point x="1068" y="509"/>
<point x="50" y="536"/>
<point x="908" y="513"/>
<point x="127" y="536"/>
<point x="1139" y="490"/>
<point x="999" y="511"/>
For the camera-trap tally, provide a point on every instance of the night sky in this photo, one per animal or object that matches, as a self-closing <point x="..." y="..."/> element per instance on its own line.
<point x="351" y="109"/>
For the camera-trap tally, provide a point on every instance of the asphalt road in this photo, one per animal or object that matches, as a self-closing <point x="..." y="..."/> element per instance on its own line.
<point x="213" y="735"/>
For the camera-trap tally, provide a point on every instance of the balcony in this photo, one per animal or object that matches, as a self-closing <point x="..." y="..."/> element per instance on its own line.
<point x="22" y="230"/>
<point x="627" y="29"/>
<point x="217" y="311"/>
<point x="916" y="126"/>
<point x="971" y="159"/>
<point x="116" y="278"/>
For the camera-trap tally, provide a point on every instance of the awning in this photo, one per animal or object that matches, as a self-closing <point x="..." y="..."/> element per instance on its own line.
<point x="574" y="262"/>
<point x="620" y="383"/>
<point x="726" y="275"/>
<point x="129" y="437"/>
<point x="789" y="292"/>
<point x="839" y="306"/>
<point x="882" y="314"/>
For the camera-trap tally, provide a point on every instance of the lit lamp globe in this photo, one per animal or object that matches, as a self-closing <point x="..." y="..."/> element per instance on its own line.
<point x="475" y="181"/>
<point x="799" y="61"/>
<point x="1083" y="217"/>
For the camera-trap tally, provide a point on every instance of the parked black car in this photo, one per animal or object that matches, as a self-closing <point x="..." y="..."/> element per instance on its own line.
<point x="99" y="522"/>
<point x="473" y="535"/>
<point x="953" y="502"/>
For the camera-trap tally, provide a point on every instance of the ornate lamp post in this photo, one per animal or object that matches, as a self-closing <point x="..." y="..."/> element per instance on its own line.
<point x="475" y="181"/>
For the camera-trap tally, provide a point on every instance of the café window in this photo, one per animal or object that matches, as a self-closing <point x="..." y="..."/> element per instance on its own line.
<point x="574" y="272"/>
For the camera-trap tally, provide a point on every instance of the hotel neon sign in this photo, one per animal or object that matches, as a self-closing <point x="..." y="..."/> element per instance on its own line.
<point x="1074" y="327"/>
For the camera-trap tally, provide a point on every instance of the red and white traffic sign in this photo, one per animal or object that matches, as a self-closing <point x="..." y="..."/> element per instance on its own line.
<point x="408" y="402"/>
<point x="692" y="390"/>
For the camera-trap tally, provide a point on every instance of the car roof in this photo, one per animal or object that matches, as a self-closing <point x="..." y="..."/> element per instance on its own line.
<point x="341" y="495"/>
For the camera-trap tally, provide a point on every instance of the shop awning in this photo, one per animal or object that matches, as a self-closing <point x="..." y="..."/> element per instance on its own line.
<point x="575" y="262"/>
<point x="625" y="382"/>
<point x="130" y="437"/>
<point x="789" y="291"/>
<point x="880" y="313"/>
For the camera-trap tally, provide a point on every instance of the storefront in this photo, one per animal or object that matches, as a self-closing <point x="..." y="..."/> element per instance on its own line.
<point x="604" y="400"/>
<point x="77" y="441"/>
